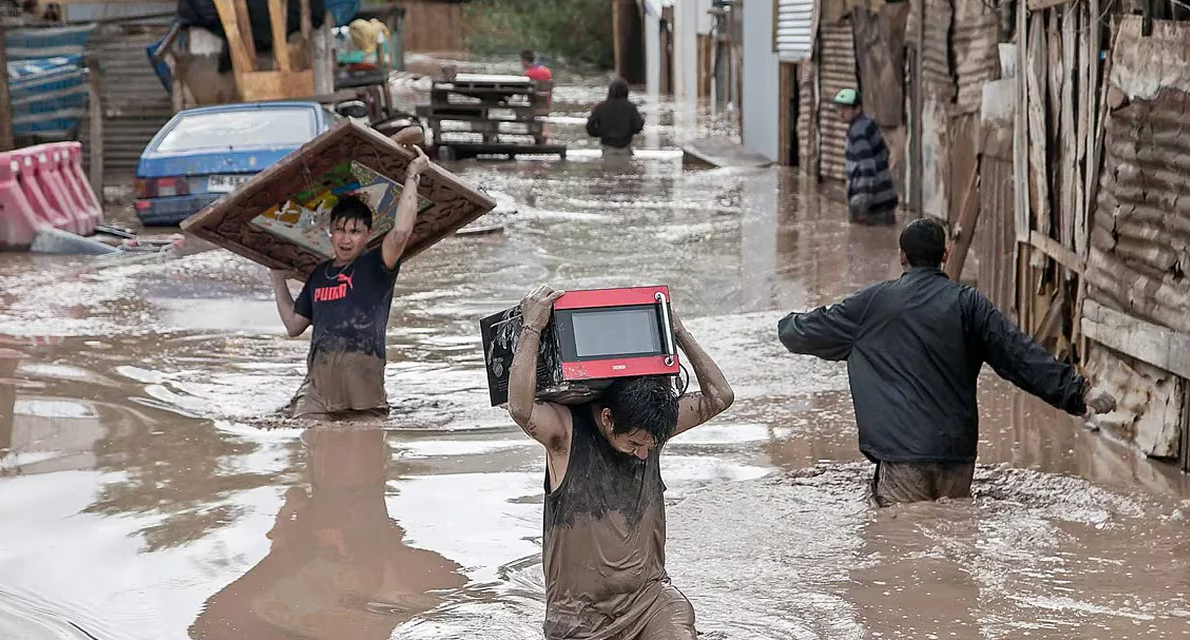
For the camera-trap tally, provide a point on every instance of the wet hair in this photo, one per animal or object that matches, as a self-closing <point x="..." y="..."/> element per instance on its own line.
<point x="352" y="208"/>
<point x="617" y="89"/>
<point x="649" y="403"/>
<point x="528" y="56"/>
<point x="924" y="243"/>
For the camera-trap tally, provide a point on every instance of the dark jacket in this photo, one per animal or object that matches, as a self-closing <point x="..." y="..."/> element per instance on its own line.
<point x="870" y="187"/>
<point x="614" y="122"/>
<point x="914" y="348"/>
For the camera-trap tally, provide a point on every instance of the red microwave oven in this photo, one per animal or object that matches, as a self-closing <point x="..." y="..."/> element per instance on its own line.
<point x="592" y="338"/>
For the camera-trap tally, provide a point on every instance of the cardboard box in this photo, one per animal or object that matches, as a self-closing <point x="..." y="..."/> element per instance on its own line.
<point x="280" y="217"/>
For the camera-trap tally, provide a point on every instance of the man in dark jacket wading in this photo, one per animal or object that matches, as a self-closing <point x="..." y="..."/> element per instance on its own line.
<point x="914" y="347"/>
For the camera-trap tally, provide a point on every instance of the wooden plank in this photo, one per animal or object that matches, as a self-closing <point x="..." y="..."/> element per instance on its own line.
<point x="244" y="22"/>
<point x="95" y="111"/>
<point x="1161" y="347"/>
<point x="1039" y="180"/>
<point x="1051" y="324"/>
<point x="1054" y="249"/>
<point x="1083" y="104"/>
<point x="1068" y="147"/>
<point x="1184" y="449"/>
<point x="240" y="61"/>
<point x="307" y="27"/>
<point x="965" y="229"/>
<point x="260" y="86"/>
<point x="278" y="18"/>
<point x="1041" y="5"/>
<point x="6" y="137"/>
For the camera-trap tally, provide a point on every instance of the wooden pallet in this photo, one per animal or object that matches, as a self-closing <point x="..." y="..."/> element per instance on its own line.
<point x="464" y="150"/>
<point x="487" y="126"/>
<point x="476" y="112"/>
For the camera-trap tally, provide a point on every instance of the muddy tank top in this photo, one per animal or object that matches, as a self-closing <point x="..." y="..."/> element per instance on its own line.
<point x="604" y="543"/>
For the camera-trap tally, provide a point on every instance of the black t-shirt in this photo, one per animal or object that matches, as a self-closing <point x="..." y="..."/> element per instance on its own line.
<point x="349" y="305"/>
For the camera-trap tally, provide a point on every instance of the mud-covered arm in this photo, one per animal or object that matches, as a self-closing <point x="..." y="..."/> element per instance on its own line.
<point x="826" y="332"/>
<point x="1015" y="356"/>
<point x="292" y="316"/>
<point x="714" y="395"/>
<point x="394" y="242"/>
<point x="545" y="422"/>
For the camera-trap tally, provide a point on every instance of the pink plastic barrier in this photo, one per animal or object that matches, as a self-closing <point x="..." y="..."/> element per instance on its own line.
<point x="45" y="185"/>
<point x="72" y="217"/>
<point x="18" y="221"/>
<point x="71" y="167"/>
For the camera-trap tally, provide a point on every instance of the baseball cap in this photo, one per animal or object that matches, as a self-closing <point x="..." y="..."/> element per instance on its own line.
<point x="849" y="97"/>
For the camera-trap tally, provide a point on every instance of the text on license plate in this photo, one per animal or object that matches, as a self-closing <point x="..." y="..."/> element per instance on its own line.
<point x="225" y="184"/>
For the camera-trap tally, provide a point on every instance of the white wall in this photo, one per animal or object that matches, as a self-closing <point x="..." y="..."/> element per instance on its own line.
<point x="762" y="87"/>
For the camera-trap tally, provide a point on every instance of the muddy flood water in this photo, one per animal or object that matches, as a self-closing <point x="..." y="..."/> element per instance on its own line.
<point x="146" y="495"/>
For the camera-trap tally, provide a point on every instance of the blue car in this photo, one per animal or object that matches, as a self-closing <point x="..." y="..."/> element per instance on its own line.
<point x="206" y="152"/>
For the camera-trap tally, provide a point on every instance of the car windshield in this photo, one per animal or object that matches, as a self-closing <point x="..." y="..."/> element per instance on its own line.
<point x="243" y="128"/>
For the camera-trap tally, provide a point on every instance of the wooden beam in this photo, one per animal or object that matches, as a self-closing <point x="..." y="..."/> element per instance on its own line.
<point x="1041" y="5"/>
<point x="6" y="137"/>
<point x="1163" y="348"/>
<point x="278" y="17"/>
<point x="95" y="108"/>
<point x="1184" y="453"/>
<point x="1051" y="324"/>
<point x="1054" y="249"/>
<point x="240" y="61"/>
<point x="965" y="229"/>
<point x="244" y="23"/>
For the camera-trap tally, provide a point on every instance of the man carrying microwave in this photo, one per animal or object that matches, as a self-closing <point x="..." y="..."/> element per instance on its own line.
<point x="604" y="545"/>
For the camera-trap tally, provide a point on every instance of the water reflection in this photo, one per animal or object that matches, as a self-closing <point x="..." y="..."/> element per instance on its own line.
<point x="337" y="566"/>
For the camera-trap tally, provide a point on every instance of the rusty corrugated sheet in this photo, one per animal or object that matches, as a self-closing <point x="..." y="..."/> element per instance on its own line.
<point x="1138" y="258"/>
<point x="837" y="71"/>
<point x="975" y="35"/>
<point x="135" y="104"/>
<point x="937" y="72"/>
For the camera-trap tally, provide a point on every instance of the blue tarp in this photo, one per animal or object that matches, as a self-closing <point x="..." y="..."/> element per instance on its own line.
<point x="47" y="81"/>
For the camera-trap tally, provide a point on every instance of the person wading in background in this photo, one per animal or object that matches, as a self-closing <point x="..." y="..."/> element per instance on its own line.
<point x="914" y="348"/>
<point x="604" y="545"/>
<point x="871" y="194"/>
<point x="348" y="299"/>
<point x="615" y="120"/>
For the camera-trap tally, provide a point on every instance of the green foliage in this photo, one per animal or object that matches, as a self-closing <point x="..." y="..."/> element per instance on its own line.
<point x="578" y="32"/>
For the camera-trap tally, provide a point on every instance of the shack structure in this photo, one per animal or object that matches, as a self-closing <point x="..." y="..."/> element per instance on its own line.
<point x="1048" y="135"/>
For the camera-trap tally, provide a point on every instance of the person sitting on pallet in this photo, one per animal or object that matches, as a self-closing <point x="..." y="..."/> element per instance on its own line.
<point x="347" y="299"/>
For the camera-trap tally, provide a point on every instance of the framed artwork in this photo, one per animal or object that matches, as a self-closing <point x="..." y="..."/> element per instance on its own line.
<point x="281" y="217"/>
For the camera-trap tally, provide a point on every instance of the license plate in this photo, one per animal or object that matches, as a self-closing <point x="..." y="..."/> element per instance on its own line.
<point x="226" y="184"/>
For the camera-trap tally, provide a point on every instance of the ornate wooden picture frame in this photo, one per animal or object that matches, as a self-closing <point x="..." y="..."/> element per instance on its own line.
<point x="280" y="218"/>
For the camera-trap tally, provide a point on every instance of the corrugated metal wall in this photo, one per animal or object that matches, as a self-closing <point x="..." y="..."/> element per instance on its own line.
<point x="794" y="37"/>
<point x="837" y="71"/>
<point x="976" y="58"/>
<point x="135" y="104"/>
<point x="806" y="117"/>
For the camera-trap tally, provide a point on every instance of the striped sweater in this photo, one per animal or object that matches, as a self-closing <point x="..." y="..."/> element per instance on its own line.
<point x="870" y="188"/>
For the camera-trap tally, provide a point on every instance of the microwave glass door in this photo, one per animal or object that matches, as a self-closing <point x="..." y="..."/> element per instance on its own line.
<point x="615" y="332"/>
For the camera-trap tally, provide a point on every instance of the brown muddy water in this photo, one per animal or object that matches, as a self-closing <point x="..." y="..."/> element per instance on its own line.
<point x="140" y="497"/>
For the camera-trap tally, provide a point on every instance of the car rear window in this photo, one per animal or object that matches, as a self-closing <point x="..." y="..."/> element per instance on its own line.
<point x="240" y="129"/>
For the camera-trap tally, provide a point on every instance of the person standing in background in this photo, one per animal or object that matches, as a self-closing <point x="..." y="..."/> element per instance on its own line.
<point x="615" y="120"/>
<point x="534" y="70"/>
<point x="871" y="193"/>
